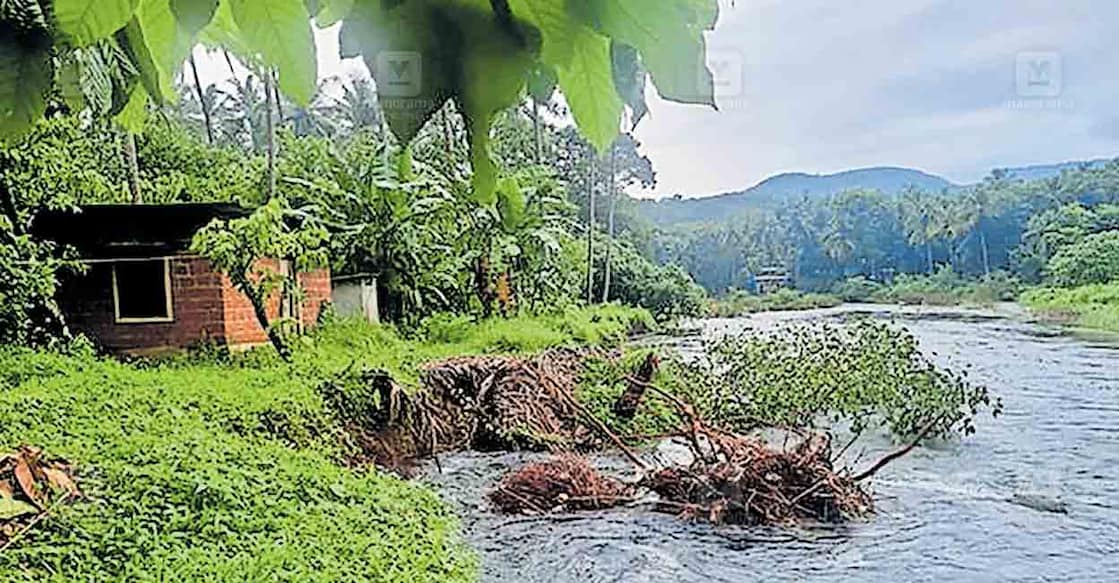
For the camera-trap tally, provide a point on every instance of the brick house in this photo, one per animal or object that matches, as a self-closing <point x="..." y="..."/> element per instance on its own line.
<point x="144" y="292"/>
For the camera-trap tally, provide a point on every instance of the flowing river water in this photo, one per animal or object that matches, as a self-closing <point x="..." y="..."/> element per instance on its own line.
<point x="1033" y="496"/>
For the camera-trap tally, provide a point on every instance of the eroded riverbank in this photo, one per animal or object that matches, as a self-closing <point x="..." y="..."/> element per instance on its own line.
<point x="1032" y="497"/>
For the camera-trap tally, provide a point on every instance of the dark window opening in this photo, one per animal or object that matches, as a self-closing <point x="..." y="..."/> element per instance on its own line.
<point x="140" y="291"/>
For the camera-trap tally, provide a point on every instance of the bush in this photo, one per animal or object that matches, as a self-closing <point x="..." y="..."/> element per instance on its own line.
<point x="1093" y="260"/>
<point x="667" y="291"/>
<point x="857" y="289"/>
<point x="947" y="288"/>
<point x="864" y="374"/>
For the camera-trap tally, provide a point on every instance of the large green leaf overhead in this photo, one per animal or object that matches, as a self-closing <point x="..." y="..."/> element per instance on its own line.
<point x="481" y="54"/>
<point x="425" y="52"/>
<point x="669" y="38"/>
<point x="280" y="32"/>
<point x="88" y="21"/>
<point x="25" y="65"/>
<point x="588" y="84"/>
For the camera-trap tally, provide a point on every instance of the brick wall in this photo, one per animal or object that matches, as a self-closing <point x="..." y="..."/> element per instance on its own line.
<point x="196" y="300"/>
<point x="205" y="305"/>
<point x="241" y="326"/>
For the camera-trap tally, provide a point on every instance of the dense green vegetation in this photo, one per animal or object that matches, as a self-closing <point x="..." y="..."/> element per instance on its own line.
<point x="1003" y="224"/>
<point x="863" y="374"/>
<point x="227" y="467"/>
<point x="975" y="245"/>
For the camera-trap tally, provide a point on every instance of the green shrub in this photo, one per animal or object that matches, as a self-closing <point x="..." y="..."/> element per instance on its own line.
<point x="864" y="374"/>
<point x="1093" y="260"/>
<point x="857" y="289"/>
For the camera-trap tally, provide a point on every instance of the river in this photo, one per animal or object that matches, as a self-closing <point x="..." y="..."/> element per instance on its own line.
<point x="1033" y="496"/>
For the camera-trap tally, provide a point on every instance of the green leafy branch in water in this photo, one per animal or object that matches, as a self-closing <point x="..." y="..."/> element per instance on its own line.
<point x="478" y="54"/>
<point x="865" y="374"/>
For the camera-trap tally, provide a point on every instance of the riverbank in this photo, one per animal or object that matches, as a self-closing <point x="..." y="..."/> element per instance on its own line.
<point x="980" y="501"/>
<point x="1091" y="306"/>
<point x="943" y="288"/>
<point x="227" y="467"/>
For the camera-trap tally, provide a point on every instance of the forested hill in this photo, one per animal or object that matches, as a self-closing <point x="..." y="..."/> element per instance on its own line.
<point x="888" y="180"/>
<point x="784" y="186"/>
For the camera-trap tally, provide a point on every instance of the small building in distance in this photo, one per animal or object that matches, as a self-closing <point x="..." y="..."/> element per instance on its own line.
<point x="144" y="292"/>
<point x="771" y="279"/>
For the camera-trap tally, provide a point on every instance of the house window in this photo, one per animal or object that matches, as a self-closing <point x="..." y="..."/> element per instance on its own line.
<point x="142" y="291"/>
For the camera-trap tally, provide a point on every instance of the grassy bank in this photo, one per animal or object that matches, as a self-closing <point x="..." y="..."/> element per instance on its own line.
<point x="1091" y="306"/>
<point x="226" y="468"/>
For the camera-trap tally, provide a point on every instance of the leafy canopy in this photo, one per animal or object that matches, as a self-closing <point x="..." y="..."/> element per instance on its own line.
<point x="479" y="54"/>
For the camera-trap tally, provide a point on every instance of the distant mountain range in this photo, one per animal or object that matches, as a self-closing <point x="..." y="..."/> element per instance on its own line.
<point x="889" y="180"/>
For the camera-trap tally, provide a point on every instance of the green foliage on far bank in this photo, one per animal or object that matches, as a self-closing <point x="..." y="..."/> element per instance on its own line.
<point x="943" y="288"/>
<point x="1091" y="306"/>
<point x="227" y="467"/>
<point x="1093" y="260"/>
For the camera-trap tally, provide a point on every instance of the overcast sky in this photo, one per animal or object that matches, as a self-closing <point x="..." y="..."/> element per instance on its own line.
<point x="952" y="87"/>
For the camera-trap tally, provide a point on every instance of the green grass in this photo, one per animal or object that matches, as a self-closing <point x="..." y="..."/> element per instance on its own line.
<point x="226" y="468"/>
<point x="1091" y="306"/>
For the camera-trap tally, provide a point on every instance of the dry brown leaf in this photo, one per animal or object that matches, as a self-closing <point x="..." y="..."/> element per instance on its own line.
<point x="60" y="480"/>
<point x="5" y="489"/>
<point x="27" y="482"/>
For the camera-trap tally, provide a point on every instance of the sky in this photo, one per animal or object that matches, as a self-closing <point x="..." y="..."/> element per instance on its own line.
<point x="951" y="87"/>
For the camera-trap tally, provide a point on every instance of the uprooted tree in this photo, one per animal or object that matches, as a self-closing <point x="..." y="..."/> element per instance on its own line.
<point x="251" y="251"/>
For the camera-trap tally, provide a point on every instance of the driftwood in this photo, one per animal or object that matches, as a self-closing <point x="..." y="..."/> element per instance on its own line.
<point x="565" y="483"/>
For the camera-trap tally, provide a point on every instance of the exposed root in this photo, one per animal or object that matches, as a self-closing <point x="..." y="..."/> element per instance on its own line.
<point x="480" y="402"/>
<point x="565" y="483"/>
<point x="751" y="483"/>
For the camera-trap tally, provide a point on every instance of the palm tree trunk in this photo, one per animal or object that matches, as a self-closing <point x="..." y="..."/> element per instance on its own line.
<point x="590" y="231"/>
<point x="276" y="98"/>
<point x="133" y="167"/>
<point x="610" y="223"/>
<point x="536" y="137"/>
<point x="269" y="135"/>
<point x="928" y="255"/>
<point x="202" y="101"/>
<point x="986" y="252"/>
<point x="448" y="133"/>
